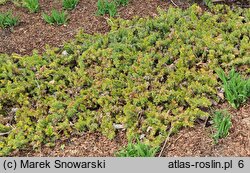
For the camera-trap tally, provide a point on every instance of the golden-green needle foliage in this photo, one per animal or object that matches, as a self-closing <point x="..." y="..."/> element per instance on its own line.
<point x="150" y="75"/>
<point x="3" y="1"/>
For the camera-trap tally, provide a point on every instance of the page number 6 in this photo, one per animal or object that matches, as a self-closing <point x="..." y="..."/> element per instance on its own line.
<point x="241" y="164"/>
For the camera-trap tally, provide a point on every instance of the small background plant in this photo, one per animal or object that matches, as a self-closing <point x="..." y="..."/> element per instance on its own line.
<point x="137" y="150"/>
<point x="109" y="7"/>
<point x="121" y="2"/>
<point x="222" y="124"/>
<point x="7" y="20"/>
<point x="70" y="4"/>
<point x="32" y="5"/>
<point x="56" y="17"/>
<point x="237" y="89"/>
<point x="112" y="9"/>
<point x="208" y="3"/>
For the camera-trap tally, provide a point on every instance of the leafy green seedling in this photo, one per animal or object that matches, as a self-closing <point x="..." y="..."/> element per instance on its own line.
<point x="32" y="5"/>
<point x="56" y="17"/>
<point x="121" y="2"/>
<point x="106" y="7"/>
<point x="237" y="89"/>
<point x="208" y="3"/>
<point x="112" y="9"/>
<point x="137" y="150"/>
<point x="102" y="5"/>
<point x="70" y="4"/>
<point x="7" y="20"/>
<point x="222" y="124"/>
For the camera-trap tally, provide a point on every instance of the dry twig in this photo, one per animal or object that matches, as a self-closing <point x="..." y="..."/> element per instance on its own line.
<point x="2" y="134"/>
<point x="165" y="143"/>
<point x="174" y="3"/>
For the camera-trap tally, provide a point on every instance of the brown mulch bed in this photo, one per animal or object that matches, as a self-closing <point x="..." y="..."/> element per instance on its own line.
<point x="33" y="33"/>
<point x="198" y="141"/>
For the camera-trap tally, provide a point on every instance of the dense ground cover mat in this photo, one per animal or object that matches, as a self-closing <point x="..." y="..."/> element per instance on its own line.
<point x="148" y="76"/>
